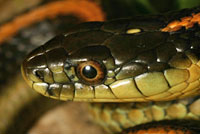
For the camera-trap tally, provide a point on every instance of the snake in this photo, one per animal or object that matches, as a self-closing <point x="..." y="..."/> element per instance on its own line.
<point x="146" y="68"/>
<point x="141" y="75"/>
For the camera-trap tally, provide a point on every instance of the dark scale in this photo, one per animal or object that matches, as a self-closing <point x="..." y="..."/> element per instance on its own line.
<point x="194" y="42"/>
<point x="165" y="51"/>
<point x="181" y="45"/>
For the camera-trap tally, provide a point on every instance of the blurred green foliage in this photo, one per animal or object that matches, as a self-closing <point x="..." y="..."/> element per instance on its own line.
<point x="126" y="8"/>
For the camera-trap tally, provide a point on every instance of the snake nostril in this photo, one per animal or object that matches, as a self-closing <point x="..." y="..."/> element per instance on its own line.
<point x="39" y="74"/>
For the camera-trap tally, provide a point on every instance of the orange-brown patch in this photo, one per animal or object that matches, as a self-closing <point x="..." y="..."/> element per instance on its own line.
<point x="84" y="9"/>
<point x="160" y="130"/>
<point x="187" y="22"/>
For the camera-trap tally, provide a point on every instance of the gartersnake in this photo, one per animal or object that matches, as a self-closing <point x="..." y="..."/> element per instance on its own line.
<point x="152" y="59"/>
<point x="114" y="117"/>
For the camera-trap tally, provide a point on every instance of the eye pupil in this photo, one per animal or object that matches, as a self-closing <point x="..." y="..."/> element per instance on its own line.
<point x="89" y="72"/>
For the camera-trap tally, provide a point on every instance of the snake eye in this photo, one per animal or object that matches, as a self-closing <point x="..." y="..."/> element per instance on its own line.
<point x="91" y="72"/>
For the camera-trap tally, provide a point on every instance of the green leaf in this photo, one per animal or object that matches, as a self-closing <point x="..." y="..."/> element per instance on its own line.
<point x="188" y="3"/>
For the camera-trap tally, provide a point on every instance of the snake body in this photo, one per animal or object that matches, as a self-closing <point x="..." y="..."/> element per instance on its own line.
<point x="152" y="59"/>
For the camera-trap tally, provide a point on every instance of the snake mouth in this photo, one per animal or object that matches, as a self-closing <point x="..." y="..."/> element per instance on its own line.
<point x="37" y="80"/>
<point x="47" y="76"/>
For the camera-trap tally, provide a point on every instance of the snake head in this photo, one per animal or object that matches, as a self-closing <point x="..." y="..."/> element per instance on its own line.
<point x="59" y="73"/>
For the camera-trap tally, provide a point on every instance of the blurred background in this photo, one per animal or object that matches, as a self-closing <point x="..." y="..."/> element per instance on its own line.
<point x="112" y="8"/>
<point x="72" y="118"/>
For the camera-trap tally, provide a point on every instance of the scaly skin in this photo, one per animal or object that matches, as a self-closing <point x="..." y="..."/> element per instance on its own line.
<point x="117" y="117"/>
<point x="157" y="65"/>
<point x="143" y="59"/>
